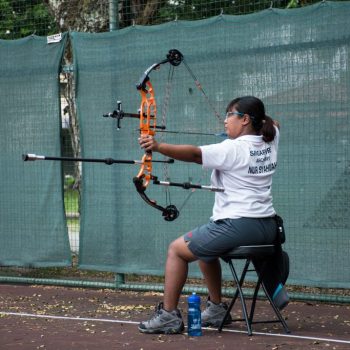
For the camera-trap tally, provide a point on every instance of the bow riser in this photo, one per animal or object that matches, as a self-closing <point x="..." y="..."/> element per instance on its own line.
<point x="148" y="112"/>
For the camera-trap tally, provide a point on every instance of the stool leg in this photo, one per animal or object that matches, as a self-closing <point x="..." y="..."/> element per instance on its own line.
<point x="228" y="311"/>
<point x="244" y="306"/>
<point x="277" y="312"/>
<point x="256" y="290"/>
<point x="239" y="283"/>
<point x="275" y="309"/>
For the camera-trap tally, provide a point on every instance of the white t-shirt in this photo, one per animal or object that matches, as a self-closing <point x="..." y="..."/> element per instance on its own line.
<point x="244" y="168"/>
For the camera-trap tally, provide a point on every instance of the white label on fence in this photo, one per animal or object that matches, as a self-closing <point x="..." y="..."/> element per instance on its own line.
<point x="56" y="38"/>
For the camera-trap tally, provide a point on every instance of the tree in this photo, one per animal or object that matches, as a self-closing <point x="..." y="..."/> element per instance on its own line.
<point x="20" y="18"/>
<point x="78" y="15"/>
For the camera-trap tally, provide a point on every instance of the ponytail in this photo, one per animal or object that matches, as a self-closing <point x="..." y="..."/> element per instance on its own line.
<point x="268" y="130"/>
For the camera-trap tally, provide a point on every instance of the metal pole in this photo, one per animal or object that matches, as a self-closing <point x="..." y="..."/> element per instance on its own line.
<point x="113" y="18"/>
<point x="142" y="287"/>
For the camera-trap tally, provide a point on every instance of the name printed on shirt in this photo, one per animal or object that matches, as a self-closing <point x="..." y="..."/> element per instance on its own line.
<point x="261" y="156"/>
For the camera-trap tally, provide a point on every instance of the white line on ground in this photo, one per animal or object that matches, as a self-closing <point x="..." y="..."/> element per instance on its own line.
<point x="330" y="340"/>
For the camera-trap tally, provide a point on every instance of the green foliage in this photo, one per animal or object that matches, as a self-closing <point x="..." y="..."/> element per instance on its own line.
<point x="71" y="201"/>
<point x="69" y="182"/>
<point x="293" y="3"/>
<point x="21" y="18"/>
<point x="198" y="9"/>
<point x="5" y="20"/>
<point x="195" y="9"/>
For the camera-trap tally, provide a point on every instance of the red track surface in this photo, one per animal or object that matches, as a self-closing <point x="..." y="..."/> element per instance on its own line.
<point x="18" y="331"/>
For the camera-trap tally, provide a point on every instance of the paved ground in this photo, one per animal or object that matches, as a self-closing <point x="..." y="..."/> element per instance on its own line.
<point x="45" y="317"/>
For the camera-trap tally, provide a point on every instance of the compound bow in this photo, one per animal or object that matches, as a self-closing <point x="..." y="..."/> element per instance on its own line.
<point x="148" y="126"/>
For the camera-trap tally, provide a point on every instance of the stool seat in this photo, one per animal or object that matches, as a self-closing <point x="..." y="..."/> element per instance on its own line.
<point x="251" y="251"/>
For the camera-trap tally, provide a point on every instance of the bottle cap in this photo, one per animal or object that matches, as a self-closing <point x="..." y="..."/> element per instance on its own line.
<point x="194" y="298"/>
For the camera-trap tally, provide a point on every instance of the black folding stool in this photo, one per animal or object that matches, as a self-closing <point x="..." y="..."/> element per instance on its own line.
<point x="248" y="253"/>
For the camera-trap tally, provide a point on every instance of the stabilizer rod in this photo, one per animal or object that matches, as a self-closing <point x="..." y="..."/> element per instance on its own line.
<point x="188" y="185"/>
<point x="108" y="161"/>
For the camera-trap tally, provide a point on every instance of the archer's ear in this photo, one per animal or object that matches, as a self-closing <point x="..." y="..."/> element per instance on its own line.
<point x="246" y="119"/>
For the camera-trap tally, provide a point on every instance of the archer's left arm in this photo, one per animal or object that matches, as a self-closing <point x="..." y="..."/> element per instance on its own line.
<point x="185" y="153"/>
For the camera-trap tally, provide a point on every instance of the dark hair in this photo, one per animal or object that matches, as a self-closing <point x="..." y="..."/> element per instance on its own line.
<point x="254" y="107"/>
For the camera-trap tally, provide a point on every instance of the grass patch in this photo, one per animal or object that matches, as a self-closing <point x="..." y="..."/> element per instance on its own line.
<point x="71" y="201"/>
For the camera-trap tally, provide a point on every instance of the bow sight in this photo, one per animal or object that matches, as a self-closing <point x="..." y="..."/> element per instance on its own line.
<point x="119" y="114"/>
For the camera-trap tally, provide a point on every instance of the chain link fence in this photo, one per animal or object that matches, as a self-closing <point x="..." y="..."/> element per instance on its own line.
<point x="44" y="17"/>
<point x="22" y="18"/>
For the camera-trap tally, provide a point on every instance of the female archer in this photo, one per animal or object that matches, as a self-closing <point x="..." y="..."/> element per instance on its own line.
<point x="243" y="214"/>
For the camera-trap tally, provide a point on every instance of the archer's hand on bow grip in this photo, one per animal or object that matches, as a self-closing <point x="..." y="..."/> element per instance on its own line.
<point x="148" y="143"/>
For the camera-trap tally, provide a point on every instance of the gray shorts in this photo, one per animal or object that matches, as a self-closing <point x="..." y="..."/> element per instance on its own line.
<point x="210" y="241"/>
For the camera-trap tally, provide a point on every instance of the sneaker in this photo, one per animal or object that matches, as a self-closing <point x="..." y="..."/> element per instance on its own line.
<point x="163" y="322"/>
<point x="214" y="313"/>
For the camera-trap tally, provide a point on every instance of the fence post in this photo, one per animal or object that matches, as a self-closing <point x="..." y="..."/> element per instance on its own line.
<point x="113" y="15"/>
<point x="119" y="279"/>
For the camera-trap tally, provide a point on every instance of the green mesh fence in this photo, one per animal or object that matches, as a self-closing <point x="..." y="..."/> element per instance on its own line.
<point x="32" y="223"/>
<point x="296" y="61"/>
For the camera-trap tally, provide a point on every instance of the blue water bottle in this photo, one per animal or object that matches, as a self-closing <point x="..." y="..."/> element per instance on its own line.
<point x="194" y="322"/>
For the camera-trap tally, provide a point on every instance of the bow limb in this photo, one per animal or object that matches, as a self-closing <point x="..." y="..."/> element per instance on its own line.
<point x="174" y="57"/>
<point x="141" y="182"/>
<point x="169" y="212"/>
